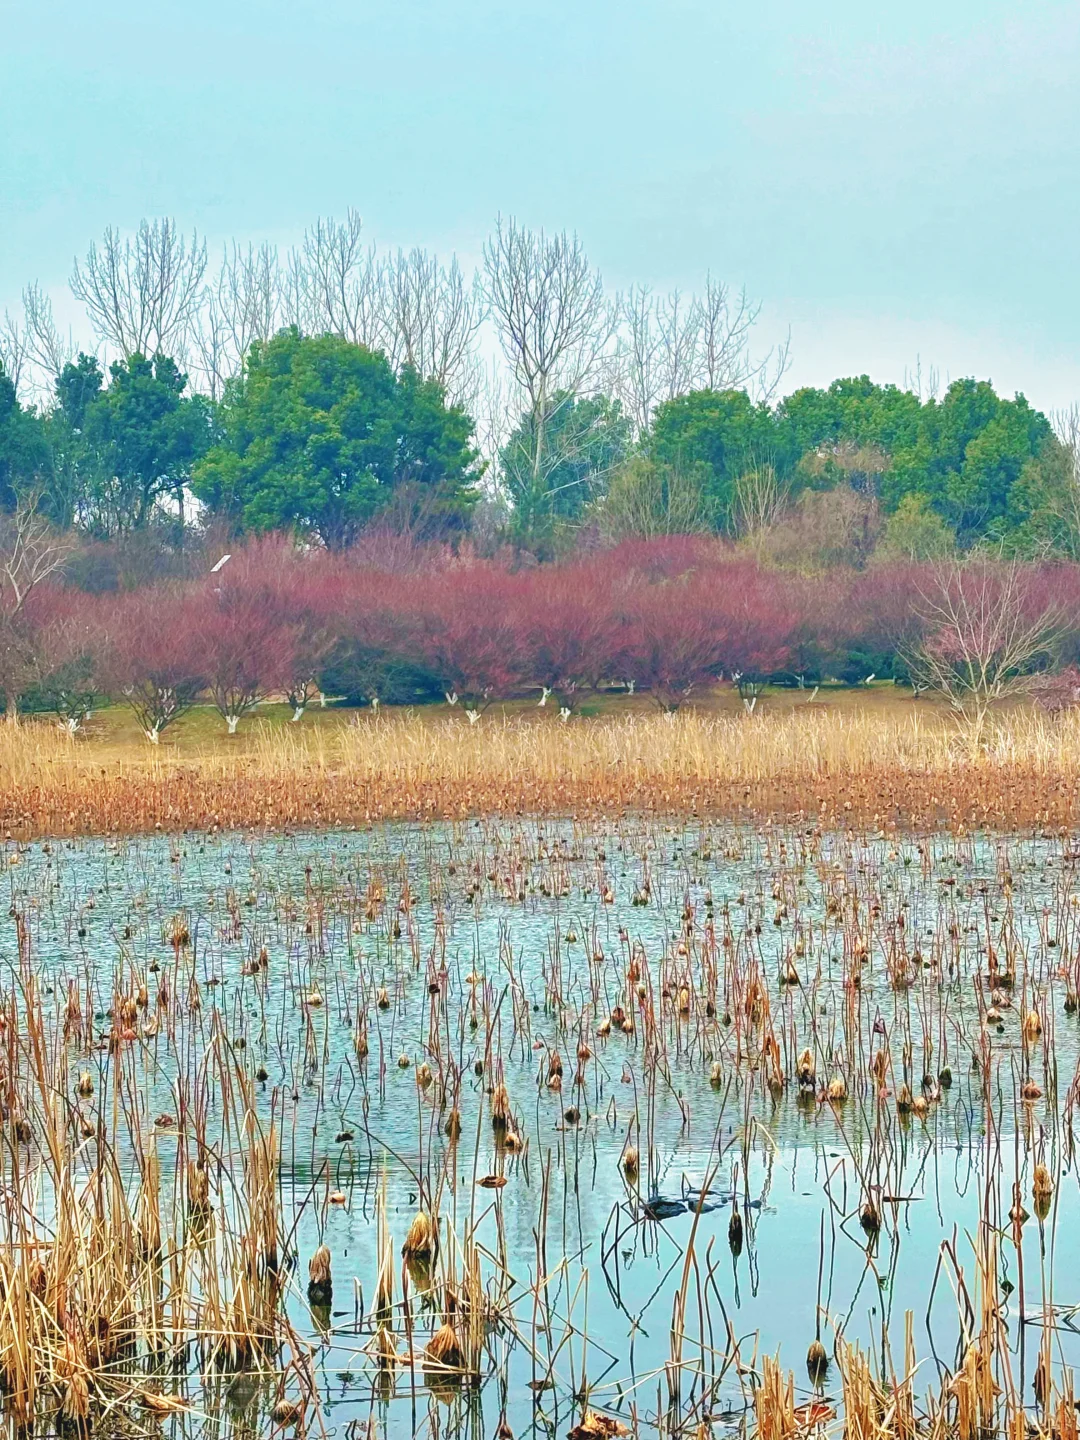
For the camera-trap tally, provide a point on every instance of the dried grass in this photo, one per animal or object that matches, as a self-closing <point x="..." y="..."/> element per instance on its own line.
<point x="907" y="764"/>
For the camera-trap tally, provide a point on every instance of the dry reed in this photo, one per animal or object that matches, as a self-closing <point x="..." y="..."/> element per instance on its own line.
<point x="913" y="767"/>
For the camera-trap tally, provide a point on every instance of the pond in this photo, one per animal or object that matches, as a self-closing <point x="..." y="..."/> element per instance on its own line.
<point x="676" y="1096"/>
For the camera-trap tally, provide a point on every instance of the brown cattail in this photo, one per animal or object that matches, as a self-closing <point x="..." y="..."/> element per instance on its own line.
<point x="444" y="1348"/>
<point x="817" y="1362"/>
<point x="320" y="1285"/>
<point x="420" y="1240"/>
<point x="198" y="1187"/>
<point x="288" y="1412"/>
<point x="500" y="1107"/>
<point x="1042" y="1190"/>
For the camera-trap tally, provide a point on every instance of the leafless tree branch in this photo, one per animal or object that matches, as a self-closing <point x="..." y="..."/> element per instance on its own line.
<point x="141" y="293"/>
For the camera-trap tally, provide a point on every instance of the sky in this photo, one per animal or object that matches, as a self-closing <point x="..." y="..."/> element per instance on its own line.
<point x="895" y="183"/>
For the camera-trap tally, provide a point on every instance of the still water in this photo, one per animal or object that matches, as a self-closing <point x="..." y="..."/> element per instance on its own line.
<point x="482" y="951"/>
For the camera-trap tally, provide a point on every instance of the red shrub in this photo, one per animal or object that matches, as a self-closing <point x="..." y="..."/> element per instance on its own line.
<point x="153" y="656"/>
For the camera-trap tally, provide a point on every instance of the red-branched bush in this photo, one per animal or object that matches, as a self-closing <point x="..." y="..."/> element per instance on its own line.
<point x="668" y="616"/>
<point x="152" y="655"/>
<point x="247" y="646"/>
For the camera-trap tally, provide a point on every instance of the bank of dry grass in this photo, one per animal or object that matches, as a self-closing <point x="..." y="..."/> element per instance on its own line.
<point x="903" y="764"/>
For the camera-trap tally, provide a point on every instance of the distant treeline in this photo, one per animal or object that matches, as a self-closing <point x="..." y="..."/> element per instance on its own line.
<point x="336" y="389"/>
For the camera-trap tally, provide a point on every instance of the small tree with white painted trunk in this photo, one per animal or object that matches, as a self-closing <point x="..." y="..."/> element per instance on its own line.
<point x="154" y="658"/>
<point x="248" y="650"/>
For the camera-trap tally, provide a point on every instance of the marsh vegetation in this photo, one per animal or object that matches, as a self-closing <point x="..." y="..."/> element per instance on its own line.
<point x="514" y="1126"/>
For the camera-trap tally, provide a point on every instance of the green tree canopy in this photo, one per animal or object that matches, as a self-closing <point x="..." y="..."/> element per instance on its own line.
<point x="854" y="412"/>
<point x="584" y="440"/>
<point x="716" y="435"/>
<point x="77" y="386"/>
<point x="320" y="434"/>
<point x="967" y="458"/>
<point x="978" y="463"/>
<point x="24" y="455"/>
<point x="121" y="448"/>
<point x="847" y="434"/>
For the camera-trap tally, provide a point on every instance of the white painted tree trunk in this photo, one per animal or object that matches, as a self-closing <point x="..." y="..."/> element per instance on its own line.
<point x="297" y="714"/>
<point x="153" y="735"/>
<point x="232" y="721"/>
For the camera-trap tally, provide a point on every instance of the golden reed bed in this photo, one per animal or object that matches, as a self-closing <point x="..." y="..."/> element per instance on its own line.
<point x="912" y="769"/>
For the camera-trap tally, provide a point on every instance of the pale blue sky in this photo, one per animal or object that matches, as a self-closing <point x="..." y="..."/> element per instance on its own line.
<point x="892" y="181"/>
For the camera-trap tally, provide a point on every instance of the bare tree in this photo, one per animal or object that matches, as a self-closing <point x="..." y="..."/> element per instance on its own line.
<point x="658" y="353"/>
<point x="759" y="500"/>
<point x="1061" y="501"/>
<point x="679" y="330"/>
<point x="492" y="413"/>
<point x="14" y="353"/>
<point x="334" y="284"/>
<point x="669" y="344"/>
<point x="242" y="303"/>
<point x="142" y="294"/>
<point x="926" y="386"/>
<point x="433" y="317"/>
<point x="49" y="347"/>
<point x="553" y="323"/>
<point x="725" y="356"/>
<point x="645" y="500"/>
<point x="985" y="633"/>
<point x="296" y="306"/>
<point x="30" y="552"/>
<point x="639" y="371"/>
<point x="34" y="352"/>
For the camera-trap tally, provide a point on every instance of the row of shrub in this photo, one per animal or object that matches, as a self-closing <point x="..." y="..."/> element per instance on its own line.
<point x="409" y="625"/>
